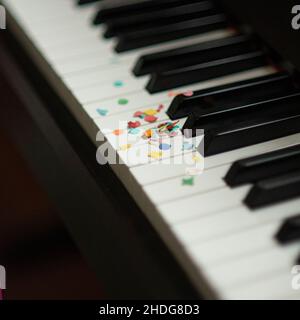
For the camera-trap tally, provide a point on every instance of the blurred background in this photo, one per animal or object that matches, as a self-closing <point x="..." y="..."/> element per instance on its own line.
<point x="41" y="260"/>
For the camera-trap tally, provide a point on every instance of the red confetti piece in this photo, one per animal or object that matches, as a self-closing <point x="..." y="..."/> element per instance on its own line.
<point x="138" y="114"/>
<point x="133" y="125"/>
<point x="150" y="119"/>
<point x="160" y="107"/>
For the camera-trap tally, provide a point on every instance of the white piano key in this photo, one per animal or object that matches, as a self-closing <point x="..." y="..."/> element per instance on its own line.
<point x="172" y="189"/>
<point x="100" y="91"/>
<point x="275" y="287"/>
<point x="156" y="172"/>
<point x="225" y="248"/>
<point x="91" y="60"/>
<point x="120" y="120"/>
<point x="96" y="76"/>
<point x="248" y="269"/>
<point x="206" y="227"/>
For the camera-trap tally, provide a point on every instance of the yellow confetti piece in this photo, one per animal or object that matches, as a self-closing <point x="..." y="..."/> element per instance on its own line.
<point x="196" y="159"/>
<point x="150" y="112"/>
<point x="155" y="154"/>
<point x="125" y="147"/>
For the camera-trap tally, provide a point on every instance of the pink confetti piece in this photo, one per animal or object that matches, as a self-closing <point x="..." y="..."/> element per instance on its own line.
<point x="188" y="93"/>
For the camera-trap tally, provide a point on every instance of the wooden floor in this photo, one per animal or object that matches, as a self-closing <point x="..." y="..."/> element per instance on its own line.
<point x="41" y="260"/>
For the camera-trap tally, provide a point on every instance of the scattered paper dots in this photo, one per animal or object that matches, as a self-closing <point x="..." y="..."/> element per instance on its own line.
<point x="187" y="146"/>
<point x="188" y="181"/>
<point x="118" y="132"/>
<point x="150" y="119"/>
<point x="123" y="101"/>
<point x="118" y="83"/>
<point x="164" y="146"/>
<point x="133" y="124"/>
<point x="155" y="154"/>
<point x="188" y="93"/>
<point x="102" y="112"/>
<point x="125" y="147"/>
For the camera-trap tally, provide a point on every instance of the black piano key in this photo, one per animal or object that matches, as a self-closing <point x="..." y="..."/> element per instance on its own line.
<point x="156" y="35"/>
<point x="206" y="71"/>
<point x="125" y="9"/>
<point x="264" y="166"/>
<point x="116" y="27"/>
<point x="194" y="54"/>
<point x="274" y="190"/>
<point x="289" y="231"/>
<point x="233" y="94"/>
<point x="247" y="125"/>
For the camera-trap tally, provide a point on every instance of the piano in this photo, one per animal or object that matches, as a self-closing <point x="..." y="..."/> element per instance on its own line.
<point x="141" y="79"/>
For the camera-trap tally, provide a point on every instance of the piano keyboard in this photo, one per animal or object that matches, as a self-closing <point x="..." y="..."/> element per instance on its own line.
<point x="126" y="67"/>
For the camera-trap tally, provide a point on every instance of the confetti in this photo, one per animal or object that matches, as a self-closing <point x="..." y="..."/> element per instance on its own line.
<point x="164" y="146"/>
<point x="134" y="131"/>
<point x="150" y="112"/>
<point x="188" y="181"/>
<point x="148" y="134"/>
<point x="172" y="94"/>
<point x="188" y="93"/>
<point x="133" y="124"/>
<point x="160" y="107"/>
<point x="118" y="84"/>
<point x="187" y="146"/>
<point x="139" y="114"/>
<point x="102" y="112"/>
<point x="148" y="115"/>
<point x="155" y="154"/>
<point x="122" y="101"/>
<point x="150" y="119"/>
<point x="166" y="129"/>
<point x="118" y="132"/>
<point x="125" y="147"/>
<point x="196" y="159"/>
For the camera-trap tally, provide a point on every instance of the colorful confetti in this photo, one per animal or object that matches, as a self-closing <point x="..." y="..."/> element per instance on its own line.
<point x="150" y="119"/>
<point x="188" y="93"/>
<point x="133" y="124"/>
<point x="188" y="181"/>
<point x="186" y="146"/>
<point x="148" y="115"/>
<point x="118" y="132"/>
<point x="102" y="112"/>
<point x="118" y="83"/>
<point x="123" y="102"/>
<point x="125" y="147"/>
<point x="196" y="158"/>
<point x="134" y="131"/>
<point x="155" y="154"/>
<point x="165" y="129"/>
<point x="172" y="94"/>
<point x="164" y="146"/>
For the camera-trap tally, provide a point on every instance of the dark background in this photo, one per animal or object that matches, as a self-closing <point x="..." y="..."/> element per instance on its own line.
<point x="41" y="260"/>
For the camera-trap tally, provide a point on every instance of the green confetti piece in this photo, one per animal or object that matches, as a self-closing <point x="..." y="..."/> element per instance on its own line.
<point x="122" y="101"/>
